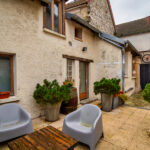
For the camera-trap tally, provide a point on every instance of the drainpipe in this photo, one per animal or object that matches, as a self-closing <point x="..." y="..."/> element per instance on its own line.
<point x="123" y="66"/>
<point x="123" y="57"/>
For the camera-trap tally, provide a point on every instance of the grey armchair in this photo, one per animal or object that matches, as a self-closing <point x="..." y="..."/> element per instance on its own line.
<point x="85" y="125"/>
<point x="14" y="122"/>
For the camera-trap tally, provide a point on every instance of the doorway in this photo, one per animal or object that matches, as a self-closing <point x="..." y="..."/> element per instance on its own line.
<point x="84" y="79"/>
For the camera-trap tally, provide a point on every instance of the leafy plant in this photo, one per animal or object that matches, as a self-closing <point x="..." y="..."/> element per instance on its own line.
<point x="68" y="83"/>
<point x="146" y="92"/>
<point x="124" y="97"/>
<point x="51" y="92"/>
<point x="107" y="86"/>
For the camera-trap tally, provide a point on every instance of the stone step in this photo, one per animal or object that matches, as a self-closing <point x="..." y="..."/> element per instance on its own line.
<point x="87" y="101"/>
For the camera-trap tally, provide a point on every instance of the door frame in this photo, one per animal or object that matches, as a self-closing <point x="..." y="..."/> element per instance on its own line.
<point x="87" y="80"/>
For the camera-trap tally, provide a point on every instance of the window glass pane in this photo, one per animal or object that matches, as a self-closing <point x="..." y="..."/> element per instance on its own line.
<point x="56" y="18"/>
<point x="48" y="16"/>
<point x="4" y="74"/>
<point x="69" y="69"/>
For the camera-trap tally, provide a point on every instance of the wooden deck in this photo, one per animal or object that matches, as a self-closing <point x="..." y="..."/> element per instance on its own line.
<point x="48" y="138"/>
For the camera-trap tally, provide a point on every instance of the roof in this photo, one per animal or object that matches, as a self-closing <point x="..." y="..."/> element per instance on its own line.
<point x="76" y="3"/>
<point x="133" y="27"/>
<point x="82" y="22"/>
<point x="114" y="40"/>
<point x="133" y="49"/>
<point x="79" y="3"/>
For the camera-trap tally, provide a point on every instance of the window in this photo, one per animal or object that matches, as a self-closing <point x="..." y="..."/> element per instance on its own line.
<point x="6" y="73"/>
<point x="78" y="34"/>
<point x="54" y="16"/>
<point x="70" y="66"/>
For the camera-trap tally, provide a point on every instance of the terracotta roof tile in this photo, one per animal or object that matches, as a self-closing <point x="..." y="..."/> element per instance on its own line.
<point x="133" y="27"/>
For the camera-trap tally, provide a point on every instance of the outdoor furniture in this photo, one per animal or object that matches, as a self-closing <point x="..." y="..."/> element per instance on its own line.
<point x="14" y="122"/>
<point x="48" y="138"/>
<point x="85" y="125"/>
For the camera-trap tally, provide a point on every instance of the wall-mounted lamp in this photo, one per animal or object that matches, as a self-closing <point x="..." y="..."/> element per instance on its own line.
<point x="84" y="49"/>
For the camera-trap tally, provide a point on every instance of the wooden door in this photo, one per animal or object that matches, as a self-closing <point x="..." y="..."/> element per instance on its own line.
<point x="84" y="80"/>
<point x="144" y="74"/>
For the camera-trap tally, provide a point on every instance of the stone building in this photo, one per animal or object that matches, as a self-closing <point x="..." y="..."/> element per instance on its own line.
<point x="138" y="32"/>
<point x="37" y="43"/>
<point x="97" y="12"/>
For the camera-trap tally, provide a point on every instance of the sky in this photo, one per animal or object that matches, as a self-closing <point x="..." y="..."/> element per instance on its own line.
<point x="128" y="10"/>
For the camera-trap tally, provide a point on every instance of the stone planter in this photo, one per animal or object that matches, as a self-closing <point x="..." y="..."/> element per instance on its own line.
<point x="115" y="102"/>
<point x="52" y="111"/>
<point x="107" y="102"/>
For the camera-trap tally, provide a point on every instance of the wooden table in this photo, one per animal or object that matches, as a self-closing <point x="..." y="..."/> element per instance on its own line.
<point x="48" y="138"/>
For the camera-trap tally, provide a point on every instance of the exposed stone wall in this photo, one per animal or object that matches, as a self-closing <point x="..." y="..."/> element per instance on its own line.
<point x="100" y="16"/>
<point x="38" y="54"/>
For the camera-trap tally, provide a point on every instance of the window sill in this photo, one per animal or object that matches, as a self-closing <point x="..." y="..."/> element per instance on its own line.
<point x="78" y="39"/>
<point x="9" y="100"/>
<point x="54" y="33"/>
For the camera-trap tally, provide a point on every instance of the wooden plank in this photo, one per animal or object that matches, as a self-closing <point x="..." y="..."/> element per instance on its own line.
<point x="44" y="17"/>
<point x="44" y="139"/>
<point x="54" y="141"/>
<point x="60" y="16"/>
<point x="52" y="15"/>
<point x="63" y="11"/>
<point x="77" y="58"/>
<point x="63" y="135"/>
<point x="11" y="76"/>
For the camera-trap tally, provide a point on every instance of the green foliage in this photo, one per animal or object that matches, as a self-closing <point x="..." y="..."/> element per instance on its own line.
<point x="68" y="83"/>
<point x="107" y="86"/>
<point x="51" y="92"/>
<point x="124" y="97"/>
<point x="146" y="92"/>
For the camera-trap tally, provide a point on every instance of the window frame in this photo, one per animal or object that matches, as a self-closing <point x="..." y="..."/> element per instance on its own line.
<point x="61" y="16"/>
<point x="79" y="29"/>
<point x="11" y="72"/>
<point x="72" y="69"/>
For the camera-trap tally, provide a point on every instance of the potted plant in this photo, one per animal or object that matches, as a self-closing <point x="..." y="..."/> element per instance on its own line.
<point x="107" y="87"/>
<point x="4" y="94"/>
<point x="122" y="98"/>
<point x="51" y="94"/>
<point x="116" y="100"/>
<point x="68" y="83"/>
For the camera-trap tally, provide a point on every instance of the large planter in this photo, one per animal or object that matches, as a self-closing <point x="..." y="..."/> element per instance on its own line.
<point x="52" y="111"/>
<point x="72" y="104"/>
<point x="106" y="102"/>
<point x="115" y="102"/>
<point x="4" y="95"/>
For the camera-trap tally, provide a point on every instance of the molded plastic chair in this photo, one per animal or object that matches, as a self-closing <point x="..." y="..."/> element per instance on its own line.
<point x="85" y="125"/>
<point x="14" y="122"/>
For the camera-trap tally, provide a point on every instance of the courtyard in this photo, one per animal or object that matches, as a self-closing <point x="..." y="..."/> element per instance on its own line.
<point x="125" y="128"/>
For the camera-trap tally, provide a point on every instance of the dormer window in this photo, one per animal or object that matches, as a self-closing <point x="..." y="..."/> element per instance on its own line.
<point x="78" y="33"/>
<point x="54" y="16"/>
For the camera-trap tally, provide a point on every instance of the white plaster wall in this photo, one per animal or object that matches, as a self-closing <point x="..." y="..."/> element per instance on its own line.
<point x="129" y="79"/>
<point x="140" y="41"/>
<point x="38" y="54"/>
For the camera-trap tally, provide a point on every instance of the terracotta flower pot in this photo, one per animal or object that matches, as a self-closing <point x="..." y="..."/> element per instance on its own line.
<point x="4" y="95"/>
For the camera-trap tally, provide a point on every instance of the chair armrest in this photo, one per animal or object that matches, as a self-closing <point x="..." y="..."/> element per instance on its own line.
<point x="74" y="116"/>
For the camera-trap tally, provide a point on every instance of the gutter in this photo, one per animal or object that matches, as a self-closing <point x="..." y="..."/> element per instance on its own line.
<point x="122" y="47"/>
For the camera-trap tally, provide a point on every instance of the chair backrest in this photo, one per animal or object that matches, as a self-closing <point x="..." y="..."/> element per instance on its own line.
<point x="89" y="113"/>
<point x="9" y="112"/>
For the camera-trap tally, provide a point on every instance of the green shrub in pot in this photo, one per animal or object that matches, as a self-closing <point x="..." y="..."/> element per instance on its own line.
<point x="146" y="92"/>
<point x="107" y="87"/>
<point x="51" y="94"/>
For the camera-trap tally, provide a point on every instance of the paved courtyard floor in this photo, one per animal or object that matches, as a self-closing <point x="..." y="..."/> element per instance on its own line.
<point x="125" y="128"/>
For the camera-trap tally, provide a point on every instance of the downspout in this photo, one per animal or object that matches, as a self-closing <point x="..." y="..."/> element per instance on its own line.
<point x="123" y="57"/>
<point x="123" y="67"/>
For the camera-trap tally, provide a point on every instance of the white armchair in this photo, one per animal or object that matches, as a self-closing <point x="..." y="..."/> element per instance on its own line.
<point x="85" y="125"/>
